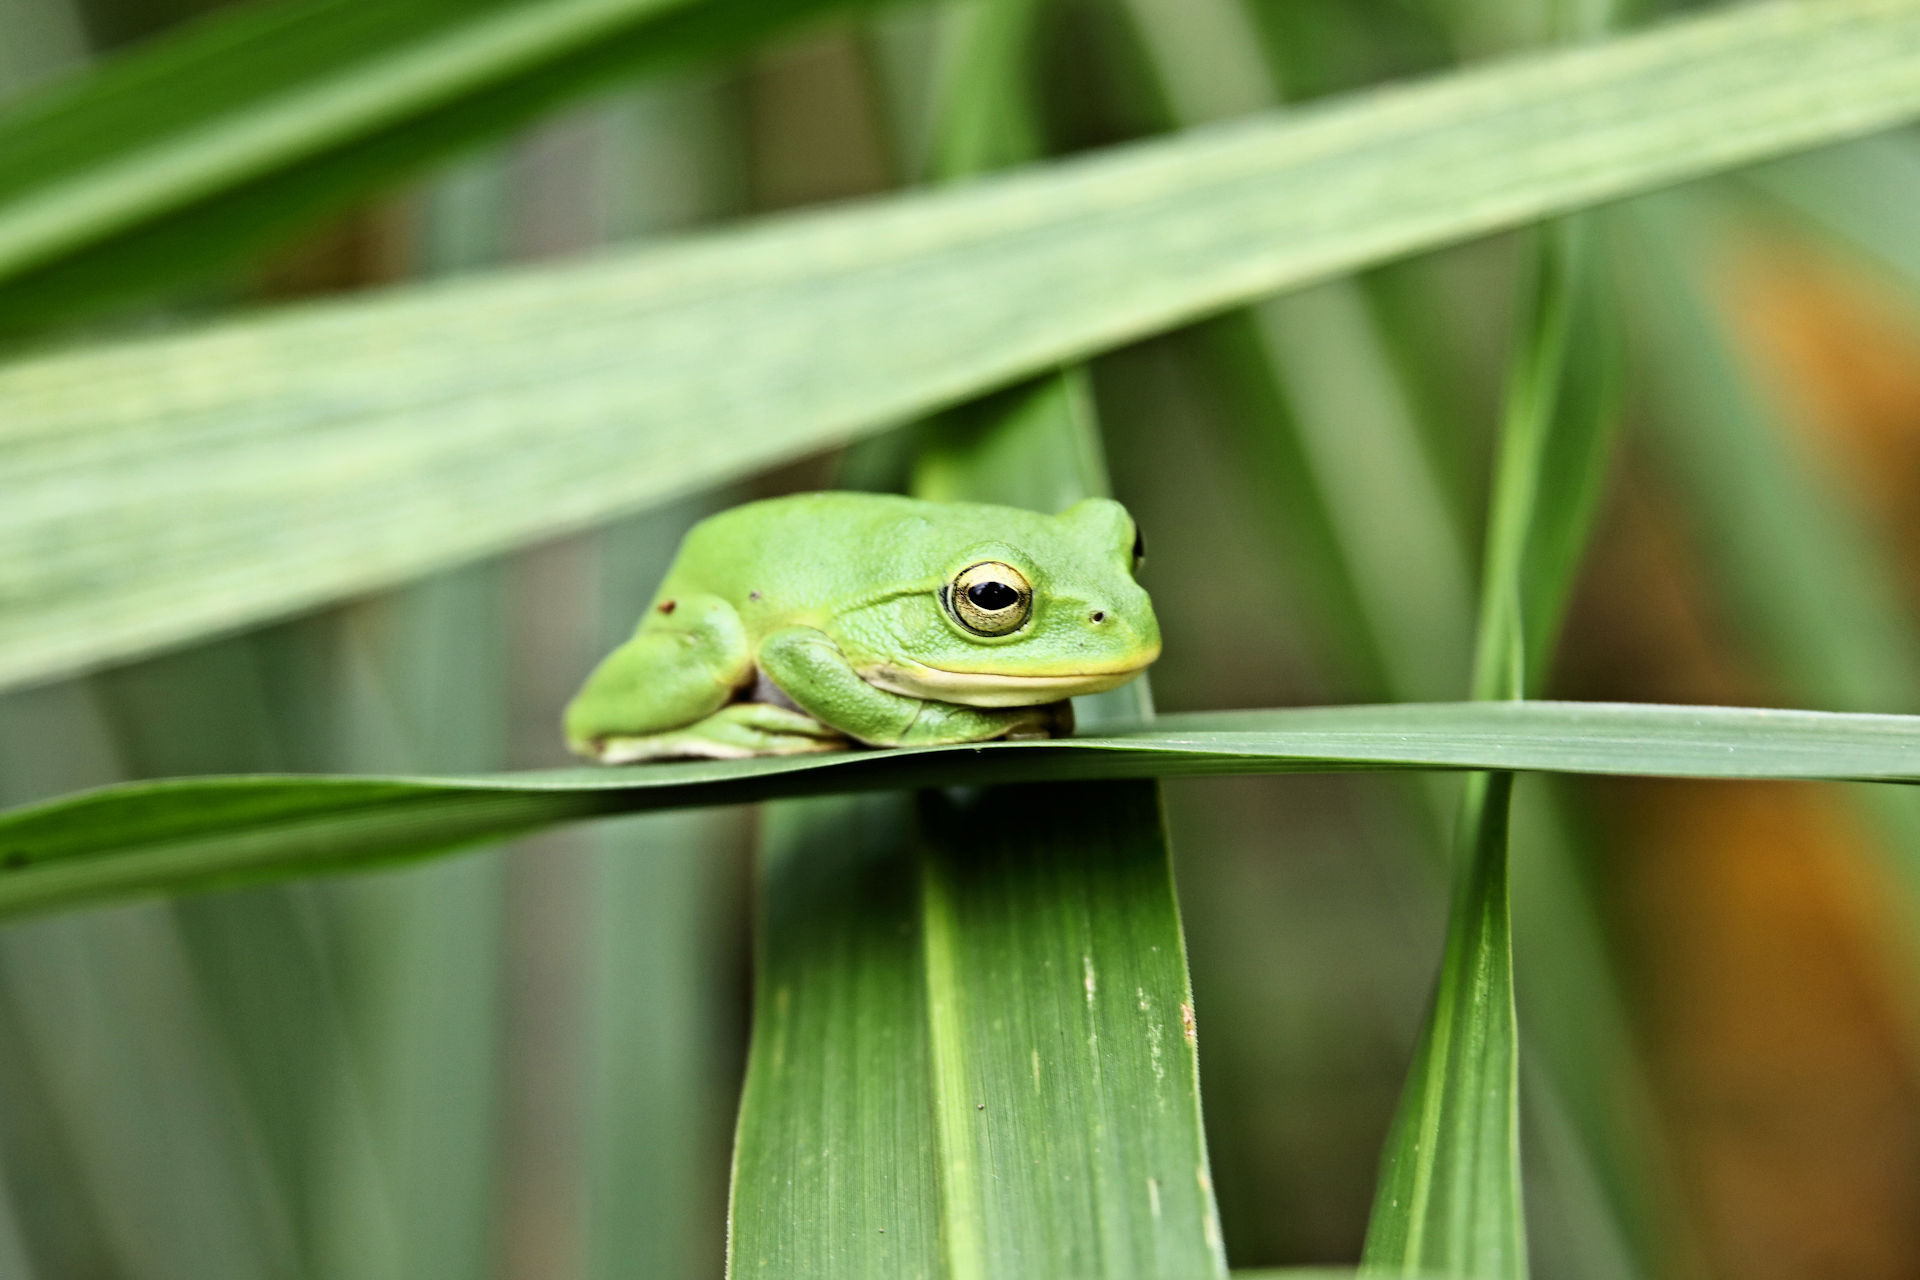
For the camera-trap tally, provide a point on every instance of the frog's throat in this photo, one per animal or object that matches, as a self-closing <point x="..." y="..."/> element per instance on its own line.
<point x="978" y="689"/>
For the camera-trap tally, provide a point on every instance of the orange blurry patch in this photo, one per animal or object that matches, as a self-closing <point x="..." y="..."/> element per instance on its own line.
<point x="1783" y="1065"/>
<point x="1841" y="351"/>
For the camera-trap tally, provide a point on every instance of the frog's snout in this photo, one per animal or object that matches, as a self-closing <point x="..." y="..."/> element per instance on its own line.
<point x="1117" y="628"/>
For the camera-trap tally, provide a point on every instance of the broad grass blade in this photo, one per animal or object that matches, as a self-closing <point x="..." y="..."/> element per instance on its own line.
<point x="836" y="1167"/>
<point x="163" y="490"/>
<point x="1042" y="1009"/>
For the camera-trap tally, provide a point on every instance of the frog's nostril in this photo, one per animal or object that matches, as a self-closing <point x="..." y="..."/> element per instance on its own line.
<point x="1099" y="615"/>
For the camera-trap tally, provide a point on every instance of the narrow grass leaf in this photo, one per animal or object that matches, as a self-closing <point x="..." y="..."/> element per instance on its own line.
<point x="166" y="489"/>
<point x="1450" y="1188"/>
<point x="1370" y="526"/>
<point x="200" y="833"/>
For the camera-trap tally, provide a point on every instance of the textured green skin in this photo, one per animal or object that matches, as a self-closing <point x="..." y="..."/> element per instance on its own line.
<point x="829" y="596"/>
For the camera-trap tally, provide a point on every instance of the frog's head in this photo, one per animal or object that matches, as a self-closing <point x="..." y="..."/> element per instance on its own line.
<point x="1021" y="609"/>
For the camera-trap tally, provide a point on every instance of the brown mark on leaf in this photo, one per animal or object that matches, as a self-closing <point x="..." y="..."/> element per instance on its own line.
<point x="1187" y="1026"/>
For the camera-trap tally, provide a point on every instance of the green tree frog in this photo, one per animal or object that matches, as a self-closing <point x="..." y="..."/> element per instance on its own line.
<point x="820" y="620"/>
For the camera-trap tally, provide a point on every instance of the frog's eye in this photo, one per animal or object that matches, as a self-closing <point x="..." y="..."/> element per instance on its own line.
<point x="1139" y="547"/>
<point x="990" y="598"/>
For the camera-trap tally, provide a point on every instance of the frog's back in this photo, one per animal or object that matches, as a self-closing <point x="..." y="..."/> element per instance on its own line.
<point x="809" y="550"/>
<point x="792" y="548"/>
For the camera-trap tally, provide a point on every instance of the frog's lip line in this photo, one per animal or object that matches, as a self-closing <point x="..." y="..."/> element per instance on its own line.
<point x="984" y="689"/>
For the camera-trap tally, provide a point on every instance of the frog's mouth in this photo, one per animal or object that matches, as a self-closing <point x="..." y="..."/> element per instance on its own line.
<point x="981" y="689"/>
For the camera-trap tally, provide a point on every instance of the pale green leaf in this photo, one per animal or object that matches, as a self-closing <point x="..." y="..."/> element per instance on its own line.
<point x="165" y="489"/>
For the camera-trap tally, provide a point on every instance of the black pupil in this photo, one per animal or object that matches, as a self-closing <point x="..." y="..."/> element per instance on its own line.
<point x="993" y="596"/>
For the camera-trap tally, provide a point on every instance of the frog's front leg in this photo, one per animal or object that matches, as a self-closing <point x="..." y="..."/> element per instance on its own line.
<point x="686" y="660"/>
<point x="671" y="692"/>
<point x="813" y="671"/>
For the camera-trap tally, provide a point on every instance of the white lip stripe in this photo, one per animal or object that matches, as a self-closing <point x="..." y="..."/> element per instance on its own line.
<point x="976" y="689"/>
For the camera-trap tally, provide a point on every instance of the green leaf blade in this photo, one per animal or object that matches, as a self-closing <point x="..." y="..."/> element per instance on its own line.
<point x="1449" y="1194"/>
<point x="943" y="1082"/>
<point x="1063" y="1016"/>
<point x="846" y="1182"/>
<point x="198" y="833"/>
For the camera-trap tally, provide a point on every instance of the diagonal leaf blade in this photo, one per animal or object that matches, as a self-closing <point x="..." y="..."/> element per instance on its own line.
<point x="317" y="451"/>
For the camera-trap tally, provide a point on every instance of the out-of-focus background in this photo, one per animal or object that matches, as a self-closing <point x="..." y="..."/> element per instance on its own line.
<point x="523" y="1062"/>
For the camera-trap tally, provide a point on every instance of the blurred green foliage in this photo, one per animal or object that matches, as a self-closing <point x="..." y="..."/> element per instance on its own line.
<point x="526" y="1062"/>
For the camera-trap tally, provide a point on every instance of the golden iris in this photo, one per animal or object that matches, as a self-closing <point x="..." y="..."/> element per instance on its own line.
<point x="991" y="598"/>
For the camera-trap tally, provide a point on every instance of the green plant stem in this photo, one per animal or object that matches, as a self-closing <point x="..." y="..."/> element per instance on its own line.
<point x="1450" y="1185"/>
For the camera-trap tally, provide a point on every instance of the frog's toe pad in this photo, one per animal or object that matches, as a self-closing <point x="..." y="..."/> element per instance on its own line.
<point x="692" y="746"/>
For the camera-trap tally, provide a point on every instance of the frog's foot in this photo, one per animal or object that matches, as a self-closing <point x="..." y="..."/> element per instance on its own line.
<point x="734" y="732"/>
<point x="1053" y="720"/>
